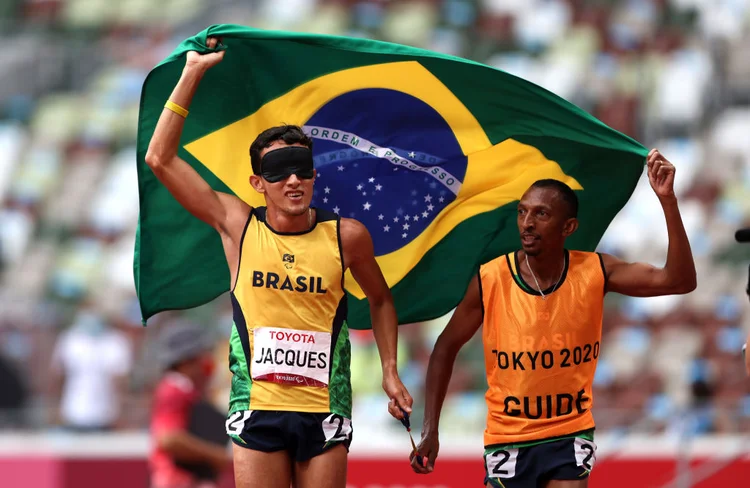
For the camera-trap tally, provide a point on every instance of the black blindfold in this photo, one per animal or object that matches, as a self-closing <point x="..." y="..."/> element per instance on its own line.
<point x="280" y="164"/>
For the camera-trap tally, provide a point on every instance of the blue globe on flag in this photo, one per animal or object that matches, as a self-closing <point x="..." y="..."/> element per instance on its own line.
<point x="376" y="166"/>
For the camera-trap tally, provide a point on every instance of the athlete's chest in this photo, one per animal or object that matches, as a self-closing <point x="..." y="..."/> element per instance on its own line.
<point x="522" y="321"/>
<point x="294" y="264"/>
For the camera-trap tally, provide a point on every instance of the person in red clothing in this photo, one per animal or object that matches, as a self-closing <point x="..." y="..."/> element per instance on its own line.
<point x="188" y="437"/>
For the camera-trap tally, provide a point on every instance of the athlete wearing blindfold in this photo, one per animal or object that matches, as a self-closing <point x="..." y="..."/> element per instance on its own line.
<point x="290" y="404"/>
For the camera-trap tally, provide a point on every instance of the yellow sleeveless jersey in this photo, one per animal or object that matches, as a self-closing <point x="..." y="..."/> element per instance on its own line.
<point x="540" y="353"/>
<point x="290" y="348"/>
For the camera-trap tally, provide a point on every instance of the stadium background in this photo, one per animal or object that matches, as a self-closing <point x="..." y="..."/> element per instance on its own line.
<point x="672" y="399"/>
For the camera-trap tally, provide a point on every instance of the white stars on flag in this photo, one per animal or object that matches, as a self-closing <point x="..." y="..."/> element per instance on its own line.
<point x="412" y="154"/>
<point x="382" y="202"/>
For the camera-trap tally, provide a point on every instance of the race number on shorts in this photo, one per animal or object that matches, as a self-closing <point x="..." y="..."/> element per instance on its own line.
<point x="585" y="452"/>
<point x="502" y="463"/>
<point x="337" y="428"/>
<point x="291" y="357"/>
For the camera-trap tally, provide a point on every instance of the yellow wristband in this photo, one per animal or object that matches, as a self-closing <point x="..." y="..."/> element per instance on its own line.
<point x="182" y="112"/>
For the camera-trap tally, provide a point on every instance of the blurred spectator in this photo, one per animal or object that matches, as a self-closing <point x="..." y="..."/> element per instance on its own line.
<point x="14" y="395"/>
<point x="189" y="440"/>
<point x="90" y="366"/>
<point x="703" y="415"/>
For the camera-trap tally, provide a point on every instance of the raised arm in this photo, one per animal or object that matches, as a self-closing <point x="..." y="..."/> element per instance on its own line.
<point x="466" y="320"/>
<point x="182" y="181"/>
<point x="678" y="274"/>
<point x="359" y="257"/>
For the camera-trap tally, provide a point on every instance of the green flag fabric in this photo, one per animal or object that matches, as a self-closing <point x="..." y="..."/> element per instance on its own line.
<point x="430" y="152"/>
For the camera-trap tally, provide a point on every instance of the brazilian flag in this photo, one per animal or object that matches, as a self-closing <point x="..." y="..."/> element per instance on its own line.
<point x="430" y="152"/>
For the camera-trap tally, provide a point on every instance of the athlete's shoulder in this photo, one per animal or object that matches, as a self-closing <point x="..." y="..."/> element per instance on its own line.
<point x="583" y="254"/>
<point x="496" y="265"/>
<point x="589" y="264"/>
<point x="353" y="230"/>
<point x="589" y="258"/>
<point x="355" y="241"/>
<point x="501" y="260"/>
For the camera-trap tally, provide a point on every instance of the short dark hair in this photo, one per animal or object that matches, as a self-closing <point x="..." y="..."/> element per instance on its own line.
<point x="290" y="134"/>
<point x="566" y="193"/>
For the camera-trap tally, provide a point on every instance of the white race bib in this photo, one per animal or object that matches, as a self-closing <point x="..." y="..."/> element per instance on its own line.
<point x="291" y="357"/>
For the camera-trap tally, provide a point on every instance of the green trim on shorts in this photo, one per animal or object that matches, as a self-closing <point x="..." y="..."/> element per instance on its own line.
<point x="340" y="385"/>
<point x="237" y="439"/>
<point x="242" y="383"/>
<point x="584" y="434"/>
